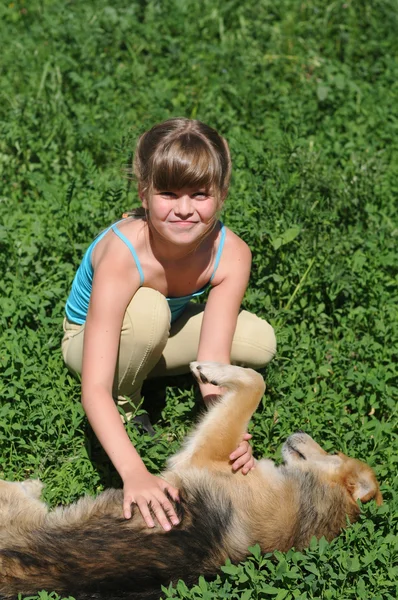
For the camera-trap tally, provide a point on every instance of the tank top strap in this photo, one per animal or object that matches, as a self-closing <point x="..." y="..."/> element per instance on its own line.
<point x="219" y="250"/>
<point x="132" y="250"/>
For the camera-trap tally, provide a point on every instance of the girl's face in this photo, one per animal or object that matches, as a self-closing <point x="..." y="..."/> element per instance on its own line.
<point x="181" y="216"/>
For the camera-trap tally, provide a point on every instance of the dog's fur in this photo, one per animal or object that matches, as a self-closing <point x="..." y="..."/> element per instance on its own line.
<point x="89" y="550"/>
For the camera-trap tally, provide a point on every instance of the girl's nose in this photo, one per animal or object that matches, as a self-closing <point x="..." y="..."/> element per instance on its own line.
<point x="183" y="206"/>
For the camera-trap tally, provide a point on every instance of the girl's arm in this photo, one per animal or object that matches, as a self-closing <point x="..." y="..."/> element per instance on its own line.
<point x="225" y="298"/>
<point x="114" y="284"/>
<point x="219" y="323"/>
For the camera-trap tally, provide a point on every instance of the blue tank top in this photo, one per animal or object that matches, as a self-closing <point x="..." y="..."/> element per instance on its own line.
<point x="79" y="298"/>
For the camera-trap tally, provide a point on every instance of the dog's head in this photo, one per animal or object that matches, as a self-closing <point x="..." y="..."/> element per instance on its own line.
<point x="354" y="476"/>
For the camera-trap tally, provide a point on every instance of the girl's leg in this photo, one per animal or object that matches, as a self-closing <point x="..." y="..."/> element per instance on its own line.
<point x="254" y="342"/>
<point x="144" y="335"/>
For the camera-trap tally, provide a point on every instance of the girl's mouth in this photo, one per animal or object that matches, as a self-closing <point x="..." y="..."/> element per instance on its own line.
<point x="183" y="223"/>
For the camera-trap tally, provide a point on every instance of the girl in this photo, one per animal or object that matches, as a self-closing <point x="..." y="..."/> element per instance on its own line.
<point x="129" y="315"/>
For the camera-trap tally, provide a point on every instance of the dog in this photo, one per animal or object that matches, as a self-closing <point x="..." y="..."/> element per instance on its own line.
<point x="88" y="550"/>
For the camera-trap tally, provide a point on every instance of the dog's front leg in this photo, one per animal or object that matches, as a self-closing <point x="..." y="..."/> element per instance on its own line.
<point x="222" y="428"/>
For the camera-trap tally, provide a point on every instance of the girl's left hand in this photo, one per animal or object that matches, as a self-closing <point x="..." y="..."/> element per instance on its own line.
<point x="242" y="457"/>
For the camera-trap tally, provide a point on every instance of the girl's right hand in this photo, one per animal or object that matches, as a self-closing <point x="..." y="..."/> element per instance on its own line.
<point x="147" y="491"/>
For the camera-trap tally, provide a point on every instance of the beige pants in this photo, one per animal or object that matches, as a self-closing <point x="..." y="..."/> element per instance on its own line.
<point x="150" y="348"/>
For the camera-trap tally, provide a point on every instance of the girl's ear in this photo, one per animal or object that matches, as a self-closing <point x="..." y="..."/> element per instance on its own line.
<point x="142" y="197"/>
<point x="223" y="197"/>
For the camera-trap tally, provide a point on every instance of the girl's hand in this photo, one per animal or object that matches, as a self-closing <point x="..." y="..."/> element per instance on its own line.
<point x="242" y="457"/>
<point x="148" y="492"/>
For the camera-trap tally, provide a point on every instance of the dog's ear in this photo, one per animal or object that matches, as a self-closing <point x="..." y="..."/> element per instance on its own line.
<point x="361" y="482"/>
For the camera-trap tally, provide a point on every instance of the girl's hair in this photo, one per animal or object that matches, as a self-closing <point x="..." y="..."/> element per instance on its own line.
<point x="181" y="153"/>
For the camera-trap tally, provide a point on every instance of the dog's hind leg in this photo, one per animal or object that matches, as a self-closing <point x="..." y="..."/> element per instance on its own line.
<point x="32" y="487"/>
<point x="20" y="510"/>
<point x="221" y="430"/>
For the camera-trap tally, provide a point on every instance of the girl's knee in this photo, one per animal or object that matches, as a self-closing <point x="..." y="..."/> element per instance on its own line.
<point x="268" y="343"/>
<point x="148" y="315"/>
<point x="72" y="346"/>
<point x="145" y="332"/>
<point x="254" y="343"/>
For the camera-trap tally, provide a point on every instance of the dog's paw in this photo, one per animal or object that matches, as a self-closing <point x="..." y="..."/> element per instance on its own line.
<point x="219" y="374"/>
<point x="205" y="372"/>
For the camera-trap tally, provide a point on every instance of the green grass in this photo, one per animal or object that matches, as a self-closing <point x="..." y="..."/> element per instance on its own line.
<point x="306" y="94"/>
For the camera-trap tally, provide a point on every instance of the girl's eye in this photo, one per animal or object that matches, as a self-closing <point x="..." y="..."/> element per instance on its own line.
<point x="197" y="195"/>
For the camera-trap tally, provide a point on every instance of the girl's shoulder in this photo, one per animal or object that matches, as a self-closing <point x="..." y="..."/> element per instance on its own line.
<point x="235" y="258"/>
<point x="234" y="246"/>
<point x="130" y="232"/>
